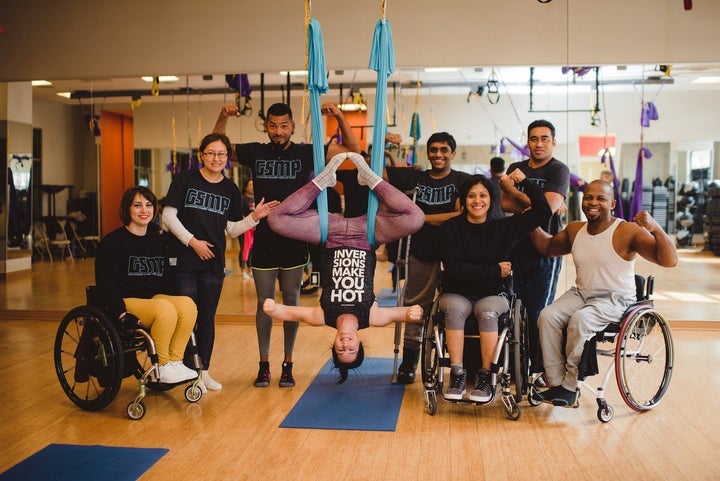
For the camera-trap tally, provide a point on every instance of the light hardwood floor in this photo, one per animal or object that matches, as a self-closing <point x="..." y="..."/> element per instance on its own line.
<point x="234" y="434"/>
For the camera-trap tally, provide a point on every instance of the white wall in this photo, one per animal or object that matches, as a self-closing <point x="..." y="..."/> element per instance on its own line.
<point x="95" y="39"/>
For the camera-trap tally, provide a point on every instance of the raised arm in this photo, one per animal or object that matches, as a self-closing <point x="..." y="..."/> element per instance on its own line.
<point x="226" y="111"/>
<point x="651" y="241"/>
<point x="557" y="245"/>
<point x="349" y="141"/>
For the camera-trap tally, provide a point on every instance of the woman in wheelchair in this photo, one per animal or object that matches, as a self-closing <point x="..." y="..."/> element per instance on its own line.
<point x="474" y="252"/>
<point x="347" y="302"/>
<point x="604" y="250"/>
<point x="131" y="274"/>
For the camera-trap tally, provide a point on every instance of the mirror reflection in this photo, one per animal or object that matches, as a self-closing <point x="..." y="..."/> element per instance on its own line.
<point x="616" y="110"/>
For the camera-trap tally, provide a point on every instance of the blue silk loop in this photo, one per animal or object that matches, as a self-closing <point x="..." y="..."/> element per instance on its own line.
<point x="317" y="85"/>
<point x="382" y="60"/>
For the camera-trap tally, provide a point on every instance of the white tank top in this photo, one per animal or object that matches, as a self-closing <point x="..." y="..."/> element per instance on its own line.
<point x="598" y="267"/>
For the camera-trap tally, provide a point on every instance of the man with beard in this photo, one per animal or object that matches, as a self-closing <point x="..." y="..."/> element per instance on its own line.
<point x="604" y="250"/>
<point x="279" y="168"/>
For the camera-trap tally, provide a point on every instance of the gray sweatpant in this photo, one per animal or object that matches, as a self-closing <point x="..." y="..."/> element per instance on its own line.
<point x="581" y="315"/>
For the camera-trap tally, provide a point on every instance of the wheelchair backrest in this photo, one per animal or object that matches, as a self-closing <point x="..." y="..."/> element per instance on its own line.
<point x="643" y="291"/>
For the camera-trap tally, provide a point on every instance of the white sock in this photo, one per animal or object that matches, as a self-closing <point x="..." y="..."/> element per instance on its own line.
<point x="327" y="177"/>
<point x="366" y="176"/>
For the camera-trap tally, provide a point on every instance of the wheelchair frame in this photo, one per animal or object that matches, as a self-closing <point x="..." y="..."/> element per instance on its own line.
<point x="92" y="356"/>
<point x="642" y="357"/>
<point x="512" y="337"/>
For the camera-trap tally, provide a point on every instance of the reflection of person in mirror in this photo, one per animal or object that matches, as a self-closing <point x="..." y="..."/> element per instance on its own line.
<point x="348" y="260"/>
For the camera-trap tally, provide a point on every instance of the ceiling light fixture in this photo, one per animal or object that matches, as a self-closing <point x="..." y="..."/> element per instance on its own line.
<point x="162" y="78"/>
<point x="67" y="95"/>
<point x="40" y="83"/>
<point x="707" y="80"/>
<point x="294" y="73"/>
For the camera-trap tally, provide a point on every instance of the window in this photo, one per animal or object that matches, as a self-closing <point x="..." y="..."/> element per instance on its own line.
<point x="143" y="167"/>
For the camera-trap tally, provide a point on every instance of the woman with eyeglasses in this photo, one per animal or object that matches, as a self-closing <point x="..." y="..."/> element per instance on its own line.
<point x="203" y="204"/>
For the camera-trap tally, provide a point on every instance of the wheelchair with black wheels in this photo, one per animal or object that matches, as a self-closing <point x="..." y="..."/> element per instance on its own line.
<point x="642" y="356"/>
<point x="510" y="366"/>
<point x="94" y="354"/>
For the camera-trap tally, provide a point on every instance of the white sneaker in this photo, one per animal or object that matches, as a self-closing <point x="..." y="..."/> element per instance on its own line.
<point x="176" y="372"/>
<point x="209" y="382"/>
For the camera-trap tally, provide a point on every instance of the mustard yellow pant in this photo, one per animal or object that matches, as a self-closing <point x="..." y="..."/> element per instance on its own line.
<point x="171" y="320"/>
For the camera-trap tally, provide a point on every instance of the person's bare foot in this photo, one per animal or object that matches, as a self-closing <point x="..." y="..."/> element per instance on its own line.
<point x="414" y="313"/>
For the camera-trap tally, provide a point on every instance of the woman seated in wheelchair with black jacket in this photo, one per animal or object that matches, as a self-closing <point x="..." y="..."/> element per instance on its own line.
<point x="131" y="274"/>
<point x="475" y="250"/>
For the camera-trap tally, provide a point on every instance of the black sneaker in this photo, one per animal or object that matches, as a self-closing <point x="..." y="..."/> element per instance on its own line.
<point x="408" y="366"/>
<point x="559" y="396"/>
<point x="457" y="385"/>
<point x="286" y="378"/>
<point x="263" y="377"/>
<point x="483" y="391"/>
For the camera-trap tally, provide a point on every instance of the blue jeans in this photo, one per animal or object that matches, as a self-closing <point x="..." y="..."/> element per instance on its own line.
<point x="535" y="282"/>
<point x="204" y="287"/>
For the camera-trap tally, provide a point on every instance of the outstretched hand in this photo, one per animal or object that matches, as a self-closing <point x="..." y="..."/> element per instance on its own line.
<point x="263" y="209"/>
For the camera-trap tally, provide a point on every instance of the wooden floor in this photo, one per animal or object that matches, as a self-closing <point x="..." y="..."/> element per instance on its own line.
<point x="233" y="434"/>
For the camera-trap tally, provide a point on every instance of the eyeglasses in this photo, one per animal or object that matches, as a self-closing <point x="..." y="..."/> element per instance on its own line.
<point x="219" y="155"/>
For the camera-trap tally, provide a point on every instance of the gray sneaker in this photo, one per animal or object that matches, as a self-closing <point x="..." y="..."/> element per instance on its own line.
<point x="457" y="385"/>
<point x="483" y="391"/>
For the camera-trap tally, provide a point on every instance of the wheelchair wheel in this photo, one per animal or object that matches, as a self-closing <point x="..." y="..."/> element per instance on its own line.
<point x="88" y="358"/>
<point x="644" y="359"/>
<point x="521" y="368"/>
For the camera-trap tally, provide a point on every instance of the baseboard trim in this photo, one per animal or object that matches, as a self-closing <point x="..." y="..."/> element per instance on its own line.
<point x="240" y="319"/>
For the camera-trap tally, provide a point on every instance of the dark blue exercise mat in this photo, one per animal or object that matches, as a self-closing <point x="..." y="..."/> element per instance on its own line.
<point x="386" y="297"/>
<point x="367" y="401"/>
<point x="73" y="462"/>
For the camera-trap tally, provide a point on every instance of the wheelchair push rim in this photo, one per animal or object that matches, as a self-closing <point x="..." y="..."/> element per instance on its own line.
<point x="644" y="359"/>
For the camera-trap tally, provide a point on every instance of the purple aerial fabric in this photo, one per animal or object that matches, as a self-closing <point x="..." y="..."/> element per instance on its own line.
<point x="636" y="202"/>
<point x="523" y="149"/>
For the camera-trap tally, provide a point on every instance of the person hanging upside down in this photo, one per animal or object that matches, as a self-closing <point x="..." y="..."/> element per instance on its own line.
<point x="347" y="302"/>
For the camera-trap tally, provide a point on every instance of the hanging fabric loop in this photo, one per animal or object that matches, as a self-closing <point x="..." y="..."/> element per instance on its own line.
<point x="382" y="60"/>
<point x="317" y="84"/>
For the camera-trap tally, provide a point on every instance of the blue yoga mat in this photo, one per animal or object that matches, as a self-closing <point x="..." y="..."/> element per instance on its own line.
<point x="79" y="463"/>
<point x="386" y="297"/>
<point x="367" y="401"/>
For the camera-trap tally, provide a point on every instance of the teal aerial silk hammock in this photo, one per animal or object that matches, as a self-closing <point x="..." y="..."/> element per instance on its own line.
<point x="317" y="84"/>
<point x="382" y="60"/>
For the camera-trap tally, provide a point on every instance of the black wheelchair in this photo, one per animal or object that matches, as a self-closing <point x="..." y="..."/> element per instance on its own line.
<point x="510" y="360"/>
<point x="93" y="355"/>
<point x="642" y="356"/>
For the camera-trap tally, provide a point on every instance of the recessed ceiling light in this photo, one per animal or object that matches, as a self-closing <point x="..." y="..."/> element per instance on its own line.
<point x="706" y="80"/>
<point x="162" y="78"/>
<point x="40" y="83"/>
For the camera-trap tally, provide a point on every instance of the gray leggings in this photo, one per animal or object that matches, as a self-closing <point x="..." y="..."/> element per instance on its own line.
<point x="487" y="310"/>
<point x="290" y="282"/>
